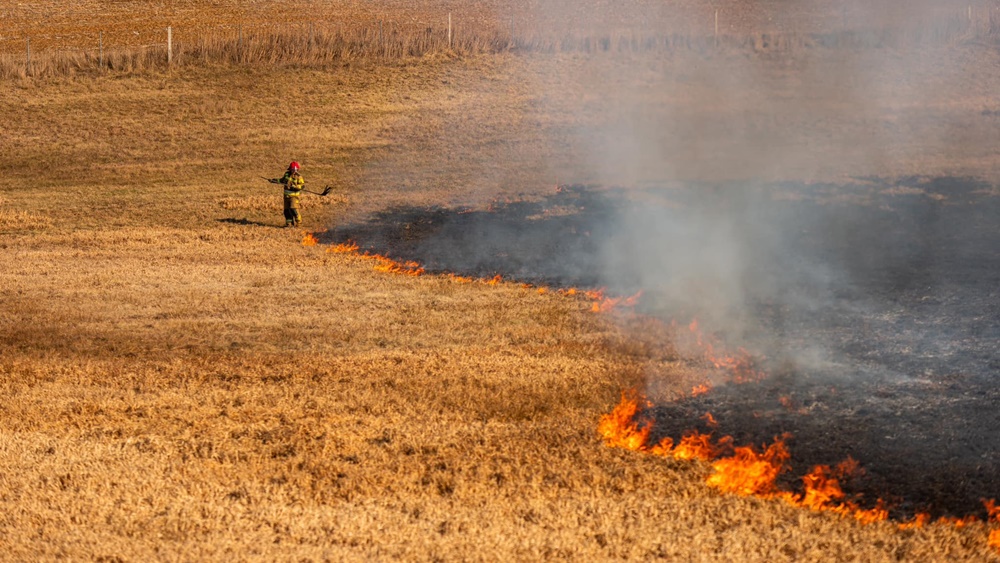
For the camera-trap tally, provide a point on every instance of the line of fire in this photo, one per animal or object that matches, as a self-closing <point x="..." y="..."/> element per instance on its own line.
<point x="866" y="315"/>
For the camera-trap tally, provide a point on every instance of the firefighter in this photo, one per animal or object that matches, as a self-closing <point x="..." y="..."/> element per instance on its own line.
<point x="294" y="183"/>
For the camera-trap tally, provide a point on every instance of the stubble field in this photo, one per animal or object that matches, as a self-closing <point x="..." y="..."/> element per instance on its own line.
<point x="182" y="379"/>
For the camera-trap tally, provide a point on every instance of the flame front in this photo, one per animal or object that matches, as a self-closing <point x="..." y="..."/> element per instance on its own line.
<point x="621" y="428"/>
<point x="994" y="514"/>
<point x="604" y="304"/>
<point x="601" y="303"/>
<point x="348" y="247"/>
<point x="695" y="445"/>
<point x="750" y="473"/>
<point x="746" y="472"/>
<point x="390" y="266"/>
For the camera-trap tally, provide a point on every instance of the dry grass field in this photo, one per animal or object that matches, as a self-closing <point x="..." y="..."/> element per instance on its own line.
<point x="183" y="380"/>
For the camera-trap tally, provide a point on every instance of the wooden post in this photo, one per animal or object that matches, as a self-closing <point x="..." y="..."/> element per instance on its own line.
<point x="716" y="27"/>
<point x="170" y="45"/>
<point x="449" y="30"/>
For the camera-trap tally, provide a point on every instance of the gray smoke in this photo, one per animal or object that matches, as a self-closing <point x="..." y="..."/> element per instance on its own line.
<point x="733" y="143"/>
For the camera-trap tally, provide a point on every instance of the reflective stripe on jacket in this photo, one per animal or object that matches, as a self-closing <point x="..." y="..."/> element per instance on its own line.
<point x="294" y="183"/>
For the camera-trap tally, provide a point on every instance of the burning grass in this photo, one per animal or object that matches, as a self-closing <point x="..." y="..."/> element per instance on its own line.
<point x="739" y="470"/>
<point x="183" y="379"/>
<point x="384" y="264"/>
<point x="746" y="471"/>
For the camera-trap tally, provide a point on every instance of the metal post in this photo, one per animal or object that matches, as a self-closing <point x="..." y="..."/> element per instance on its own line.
<point x="100" y="48"/>
<point x="170" y="45"/>
<point x="449" y="30"/>
<point x="27" y="60"/>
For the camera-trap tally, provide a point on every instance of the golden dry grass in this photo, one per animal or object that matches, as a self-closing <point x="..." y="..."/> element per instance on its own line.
<point x="181" y="380"/>
<point x="45" y="38"/>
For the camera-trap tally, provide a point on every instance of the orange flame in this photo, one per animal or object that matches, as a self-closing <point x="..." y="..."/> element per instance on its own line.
<point x="348" y="247"/>
<point x="604" y="304"/>
<point x="621" y="428"/>
<point x="701" y="389"/>
<point x="994" y="514"/>
<point x="388" y="265"/>
<point x="992" y="509"/>
<point x="821" y="489"/>
<point x="958" y="522"/>
<point x="695" y="445"/>
<point x="740" y="365"/>
<point x="382" y="263"/>
<point x="746" y="472"/>
<point x="308" y="239"/>
<point x="750" y="473"/>
<point x="878" y="514"/>
<point x="710" y="420"/>
<point x="919" y="520"/>
<point x="626" y="427"/>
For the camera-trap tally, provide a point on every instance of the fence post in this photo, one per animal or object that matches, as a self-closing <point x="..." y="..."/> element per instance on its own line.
<point x="170" y="45"/>
<point x="716" y="28"/>
<point x="449" y="30"/>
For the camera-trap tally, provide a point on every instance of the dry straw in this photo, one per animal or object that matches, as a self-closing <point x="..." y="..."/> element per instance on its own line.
<point x="321" y="46"/>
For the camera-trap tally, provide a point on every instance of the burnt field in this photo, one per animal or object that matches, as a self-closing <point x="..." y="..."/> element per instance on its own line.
<point x="873" y="308"/>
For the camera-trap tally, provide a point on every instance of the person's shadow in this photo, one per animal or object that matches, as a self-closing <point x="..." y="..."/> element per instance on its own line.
<point x="246" y="222"/>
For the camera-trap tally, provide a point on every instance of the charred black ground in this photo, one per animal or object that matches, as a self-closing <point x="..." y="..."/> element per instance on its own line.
<point x="876" y="304"/>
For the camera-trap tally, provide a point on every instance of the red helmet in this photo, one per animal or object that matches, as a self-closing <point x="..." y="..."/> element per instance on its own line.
<point x="294" y="166"/>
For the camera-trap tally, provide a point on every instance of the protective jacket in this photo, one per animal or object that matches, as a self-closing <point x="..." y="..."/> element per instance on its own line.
<point x="294" y="183"/>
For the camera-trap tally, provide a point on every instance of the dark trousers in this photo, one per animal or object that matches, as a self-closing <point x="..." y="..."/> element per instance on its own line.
<point x="292" y="216"/>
